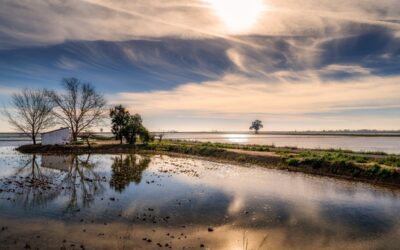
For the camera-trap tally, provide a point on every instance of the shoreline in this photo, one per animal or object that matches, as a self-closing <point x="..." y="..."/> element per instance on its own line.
<point x="261" y="133"/>
<point x="375" y="168"/>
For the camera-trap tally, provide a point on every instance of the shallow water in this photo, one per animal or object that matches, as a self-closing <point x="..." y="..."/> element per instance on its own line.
<point x="138" y="201"/>
<point x="386" y="144"/>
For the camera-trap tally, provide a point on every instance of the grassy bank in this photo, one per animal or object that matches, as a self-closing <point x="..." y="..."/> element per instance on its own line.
<point x="372" y="167"/>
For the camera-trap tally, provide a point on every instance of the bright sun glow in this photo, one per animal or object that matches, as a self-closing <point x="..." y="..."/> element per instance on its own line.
<point x="236" y="138"/>
<point x="238" y="15"/>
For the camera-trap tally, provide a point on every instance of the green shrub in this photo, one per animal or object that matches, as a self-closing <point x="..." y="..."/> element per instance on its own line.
<point x="356" y="172"/>
<point x="390" y="161"/>
<point x="293" y="162"/>
<point x="375" y="168"/>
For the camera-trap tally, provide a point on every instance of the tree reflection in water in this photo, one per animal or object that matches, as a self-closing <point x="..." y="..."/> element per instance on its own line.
<point x="82" y="181"/>
<point x="127" y="168"/>
<point x="72" y="177"/>
<point x="34" y="186"/>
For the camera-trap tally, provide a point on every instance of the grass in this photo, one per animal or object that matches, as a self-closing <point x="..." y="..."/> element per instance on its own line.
<point x="390" y="161"/>
<point x="356" y="166"/>
<point x="103" y="138"/>
<point x="221" y="145"/>
<point x="266" y="148"/>
<point x="351" y="158"/>
<point x="200" y="150"/>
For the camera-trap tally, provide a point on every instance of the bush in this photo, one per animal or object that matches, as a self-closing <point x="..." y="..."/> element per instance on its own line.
<point x="293" y="162"/>
<point x="390" y="161"/>
<point x="375" y="168"/>
<point x="356" y="172"/>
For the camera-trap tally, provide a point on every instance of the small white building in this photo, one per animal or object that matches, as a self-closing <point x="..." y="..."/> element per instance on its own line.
<point x="60" y="136"/>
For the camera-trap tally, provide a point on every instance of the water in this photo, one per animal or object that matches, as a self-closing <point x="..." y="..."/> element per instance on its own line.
<point x="13" y="143"/>
<point x="124" y="201"/>
<point x="388" y="144"/>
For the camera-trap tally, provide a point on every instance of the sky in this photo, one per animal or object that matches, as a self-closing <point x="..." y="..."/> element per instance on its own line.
<point x="205" y="65"/>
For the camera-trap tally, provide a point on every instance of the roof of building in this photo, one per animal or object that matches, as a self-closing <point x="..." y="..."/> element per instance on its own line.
<point x="54" y="131"/>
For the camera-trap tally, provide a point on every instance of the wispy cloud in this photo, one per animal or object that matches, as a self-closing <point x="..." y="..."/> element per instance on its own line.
<point x="124" y="20"/>
<point x="301" y="59"/>
<point x="237" y="95"/>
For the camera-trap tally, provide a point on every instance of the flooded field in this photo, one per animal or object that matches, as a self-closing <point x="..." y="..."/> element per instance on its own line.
<point x="163" y="202"/>
<point x="364" y="143"/>
<point x="387" y="144"/>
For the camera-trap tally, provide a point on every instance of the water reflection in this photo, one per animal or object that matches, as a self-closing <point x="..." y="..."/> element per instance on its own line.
<point x="81" y="182"/>
<point x="73" y="178"/>
<point x="236" y="138"/>
<point x="126" y="169"/>
<point x="176" y="202"/>
<point x="33" y="185"/>
<point x="389" y="144"/>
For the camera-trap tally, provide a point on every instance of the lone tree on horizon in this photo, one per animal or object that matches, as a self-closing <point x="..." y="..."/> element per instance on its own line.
<point x="80" y="107"/>
<point x="256" y="126"/>
<point x="32" y="112"/>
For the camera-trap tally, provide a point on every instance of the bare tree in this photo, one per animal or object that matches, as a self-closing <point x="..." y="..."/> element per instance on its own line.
<point x="80" y="107"/>
<point x="31" y="112"/>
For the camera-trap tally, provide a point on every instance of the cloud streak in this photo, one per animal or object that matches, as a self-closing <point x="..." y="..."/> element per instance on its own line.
<point x="125" y="20"/>
<point x="302" y="59"/>
<point x="236" y="95"/>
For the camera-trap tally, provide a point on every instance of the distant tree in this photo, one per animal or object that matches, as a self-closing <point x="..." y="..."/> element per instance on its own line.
<point x="80" y="107"/>
<point x="256" y="126"/>
<point x="119" y="119"/>
<point x="32" y="112"/>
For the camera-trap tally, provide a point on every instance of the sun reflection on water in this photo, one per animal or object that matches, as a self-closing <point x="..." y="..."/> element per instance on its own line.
<point x="236" y="138"/>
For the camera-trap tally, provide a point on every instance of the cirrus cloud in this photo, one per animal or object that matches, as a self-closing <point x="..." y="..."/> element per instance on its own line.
<point x="238" y="95"/>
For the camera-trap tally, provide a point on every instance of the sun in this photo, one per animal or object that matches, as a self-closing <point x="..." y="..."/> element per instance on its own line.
<point x="238" y="15"/>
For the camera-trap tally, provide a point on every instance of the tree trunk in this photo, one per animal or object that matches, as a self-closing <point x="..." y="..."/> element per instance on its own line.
<point x="74" y="136"/>
<point x="132" y="139"/>
<point x="33" y="166"/>
<point x="34" y="139"/>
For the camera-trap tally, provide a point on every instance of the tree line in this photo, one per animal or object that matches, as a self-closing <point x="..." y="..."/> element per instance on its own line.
<point x="79" y="107"/>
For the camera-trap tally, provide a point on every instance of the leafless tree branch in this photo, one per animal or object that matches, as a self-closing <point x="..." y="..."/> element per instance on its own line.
<point x="32" y="112"/>
<point x="80" y="107"/>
